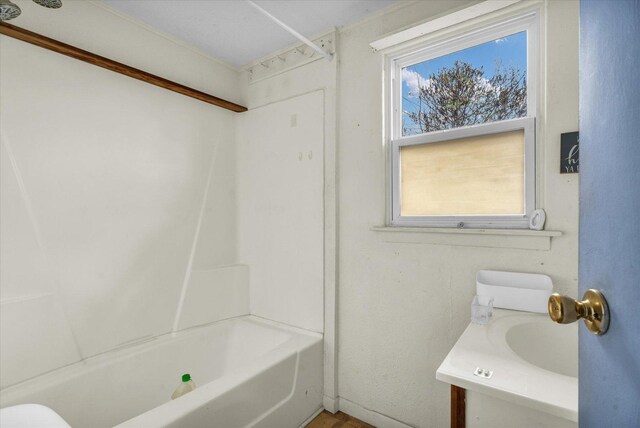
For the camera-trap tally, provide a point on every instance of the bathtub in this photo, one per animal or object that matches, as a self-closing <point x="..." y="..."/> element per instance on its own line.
<point x="249" y="371"/>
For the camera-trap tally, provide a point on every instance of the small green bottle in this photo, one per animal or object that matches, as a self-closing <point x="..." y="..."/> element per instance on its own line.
<point x="187" y="385"/>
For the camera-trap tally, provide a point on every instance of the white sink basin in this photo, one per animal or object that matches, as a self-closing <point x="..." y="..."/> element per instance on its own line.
<point x="534" y="362"/>
<point x="547" y="345"/>
<point x="31" y="416"/>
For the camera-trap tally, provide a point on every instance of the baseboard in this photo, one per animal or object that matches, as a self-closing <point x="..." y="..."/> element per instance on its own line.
<point x="331" y="404"/>
<point x="369" y="416"/>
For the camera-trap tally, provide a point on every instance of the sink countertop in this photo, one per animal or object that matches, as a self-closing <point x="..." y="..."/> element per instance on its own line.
<point x="513" y="379"/>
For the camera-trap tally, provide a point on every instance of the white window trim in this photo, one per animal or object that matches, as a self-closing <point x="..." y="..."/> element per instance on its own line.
<point x="469" y="221"/>
<point x="528" y="22"/>
<point x="443" y="22"/>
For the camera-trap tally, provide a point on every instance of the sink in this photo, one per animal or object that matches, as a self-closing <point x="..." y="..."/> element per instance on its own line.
<point x="29" y="416"/>
<point x="550" y="346"/>
<point x="533" y="362"/>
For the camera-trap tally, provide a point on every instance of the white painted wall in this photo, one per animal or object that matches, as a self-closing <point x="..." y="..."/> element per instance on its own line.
<point x="404" y="298"/>
<point x="112" y="189"/>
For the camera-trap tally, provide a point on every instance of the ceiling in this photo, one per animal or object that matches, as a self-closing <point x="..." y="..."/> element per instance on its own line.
<point x="236" y="33"/>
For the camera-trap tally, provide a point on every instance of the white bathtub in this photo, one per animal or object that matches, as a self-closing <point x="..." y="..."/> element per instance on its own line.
<point x="249" y="372"/>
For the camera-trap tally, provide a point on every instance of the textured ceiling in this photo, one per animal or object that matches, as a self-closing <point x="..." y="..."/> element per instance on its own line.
<point x="235" y="32"/>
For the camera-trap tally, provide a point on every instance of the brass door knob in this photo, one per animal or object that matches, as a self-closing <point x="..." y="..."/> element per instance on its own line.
<point x="593" y="309"/>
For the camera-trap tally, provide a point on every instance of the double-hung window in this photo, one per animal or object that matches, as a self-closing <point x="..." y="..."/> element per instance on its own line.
<point x="462" y="129"/>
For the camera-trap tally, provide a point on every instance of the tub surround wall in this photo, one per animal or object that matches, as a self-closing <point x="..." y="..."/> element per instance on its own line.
<point x="314" y="83"/>
<point x="280" y="208"/>
<point x="214" y="294"/>
<point x="111" y="193"/>
<point x="131" y="42"/>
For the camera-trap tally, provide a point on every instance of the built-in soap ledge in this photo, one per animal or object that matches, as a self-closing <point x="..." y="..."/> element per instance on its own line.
<point x="515" y="290"/>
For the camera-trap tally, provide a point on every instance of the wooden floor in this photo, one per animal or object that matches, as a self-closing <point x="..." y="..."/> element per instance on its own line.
<point x="339" y="420"/>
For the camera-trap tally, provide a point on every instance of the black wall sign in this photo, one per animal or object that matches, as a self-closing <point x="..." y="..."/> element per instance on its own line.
<point x="569" y="156"/>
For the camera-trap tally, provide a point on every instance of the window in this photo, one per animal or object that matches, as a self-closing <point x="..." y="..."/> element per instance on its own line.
<point x="462" y="129"/>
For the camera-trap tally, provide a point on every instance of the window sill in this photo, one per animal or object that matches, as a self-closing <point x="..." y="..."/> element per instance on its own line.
<point x="492" y="238"/>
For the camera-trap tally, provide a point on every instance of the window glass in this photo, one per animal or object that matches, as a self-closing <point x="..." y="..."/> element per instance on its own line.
<point x="480" y="84"/>
<point x="481" y="175"/>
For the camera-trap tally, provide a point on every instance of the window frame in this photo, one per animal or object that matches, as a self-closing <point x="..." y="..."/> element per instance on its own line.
<point x="528" y="22"/>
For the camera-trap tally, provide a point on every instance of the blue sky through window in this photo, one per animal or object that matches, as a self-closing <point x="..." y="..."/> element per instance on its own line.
<point x="507" y="51"/>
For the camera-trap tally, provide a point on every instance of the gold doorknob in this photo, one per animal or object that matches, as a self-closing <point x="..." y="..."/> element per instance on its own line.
<point x="593" y="309"/>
